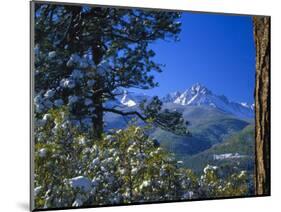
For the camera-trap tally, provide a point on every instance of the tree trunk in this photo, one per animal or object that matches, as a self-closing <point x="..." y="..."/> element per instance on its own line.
<point x="98" y="88"/>
<point x="262" y="104"/>
<point x="98" y="116"/>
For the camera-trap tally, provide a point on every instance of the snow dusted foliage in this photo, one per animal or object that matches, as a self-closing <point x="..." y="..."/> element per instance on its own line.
<point x="71" y="89"/>
<point x="81" y="183"/>
<point x="213" y="184"/>
<point x="122" y="168"/>
<point x="73" y="169"/>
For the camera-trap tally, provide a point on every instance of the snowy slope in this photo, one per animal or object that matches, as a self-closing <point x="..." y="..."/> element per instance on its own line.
<point x="126" y="99"/>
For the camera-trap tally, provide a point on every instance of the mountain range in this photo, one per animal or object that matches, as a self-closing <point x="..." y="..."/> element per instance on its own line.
<point x="196" y="95"/>
<point x="213" y="121"/>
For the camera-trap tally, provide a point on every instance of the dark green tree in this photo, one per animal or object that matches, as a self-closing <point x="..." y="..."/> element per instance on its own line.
<point x="84" y="55"/>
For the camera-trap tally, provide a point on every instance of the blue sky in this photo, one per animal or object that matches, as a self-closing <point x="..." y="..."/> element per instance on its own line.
<point x="215" y="50"/>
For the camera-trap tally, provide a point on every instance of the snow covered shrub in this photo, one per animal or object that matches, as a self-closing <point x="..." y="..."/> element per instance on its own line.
<point x="145" y="171"/>
<point x="61" y="153"/>
<point x="212" y="184"/>
<point x="72" y="168"/>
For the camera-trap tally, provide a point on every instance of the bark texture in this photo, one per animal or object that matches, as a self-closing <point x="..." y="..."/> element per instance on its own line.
<point x="262" y="104"/>
<point x="98" y="99"/>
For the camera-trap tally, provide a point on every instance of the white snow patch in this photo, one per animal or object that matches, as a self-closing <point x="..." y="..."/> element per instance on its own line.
<point x="52" y="54"/>
<point x="50" y="93"/>
<point x="67" y="83"/>
<point x="46" y="117"/>
<point x="80" y="182"/>
<point x="209" y="168"/>
<point x="145" y="184"/>
<point x="42" y="153"/>
<point x="126" y="101"/>
<point x="134" y="171"/>
<point x="77" y="203"/>
<point x="37" y="190"/>
<point x="192" y="99"/>
<point x="245" y="104"/>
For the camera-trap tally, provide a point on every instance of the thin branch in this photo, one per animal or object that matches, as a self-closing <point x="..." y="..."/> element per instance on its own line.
<point x="112" y="110"/>
<point x="136" y="113"/>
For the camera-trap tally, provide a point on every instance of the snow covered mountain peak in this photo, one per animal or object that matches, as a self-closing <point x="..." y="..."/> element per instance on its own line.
<point x="199" y="95"/>
<point x="194" y="95"/>
<point x="198" y="88"/>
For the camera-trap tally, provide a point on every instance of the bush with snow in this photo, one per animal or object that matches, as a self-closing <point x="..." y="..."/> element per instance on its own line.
<point x="80" y="182"/>
<point x="72" y="168"/>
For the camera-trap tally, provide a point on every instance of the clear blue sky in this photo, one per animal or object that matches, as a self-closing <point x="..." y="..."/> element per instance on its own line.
<point x="215" y="50"/>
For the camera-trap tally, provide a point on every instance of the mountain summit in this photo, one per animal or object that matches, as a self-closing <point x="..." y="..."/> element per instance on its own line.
<point x="199" y="95"/>
<point x="195" y="94"/>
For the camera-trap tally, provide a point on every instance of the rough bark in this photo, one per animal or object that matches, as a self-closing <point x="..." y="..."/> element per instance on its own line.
<point x="98" y="87"/>
<point x="262" y="104"/>
<point x="98" y="114"/>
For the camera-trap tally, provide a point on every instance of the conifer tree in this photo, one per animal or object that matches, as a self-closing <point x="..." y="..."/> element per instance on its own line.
<point x="86" y="55"/>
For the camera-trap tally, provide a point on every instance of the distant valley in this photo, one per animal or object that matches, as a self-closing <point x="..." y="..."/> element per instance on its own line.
<point x="220" y="129"/>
